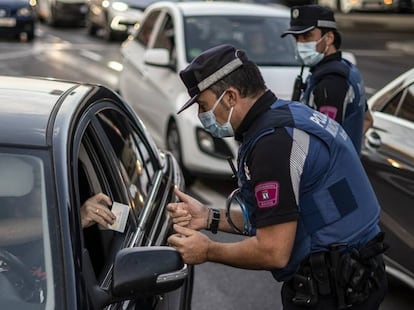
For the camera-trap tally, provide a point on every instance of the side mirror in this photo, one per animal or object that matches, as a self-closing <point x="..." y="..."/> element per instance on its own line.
<point x="159" y="57"/>
<point x="373" y="139"/>
<point x="137" y="272"/>
<point x="147" y="271"/>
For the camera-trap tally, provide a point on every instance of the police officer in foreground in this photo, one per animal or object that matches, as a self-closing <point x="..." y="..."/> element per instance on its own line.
<point x="308" y="206"/>
<point x="334" y="85"/>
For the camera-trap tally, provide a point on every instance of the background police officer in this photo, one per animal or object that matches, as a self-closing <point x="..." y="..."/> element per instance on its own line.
<point x="334" y="85"/>
<point x="313" y="215"/>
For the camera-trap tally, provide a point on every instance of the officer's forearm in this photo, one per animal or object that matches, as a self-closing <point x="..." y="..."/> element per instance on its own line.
<point x="246" y="254"/>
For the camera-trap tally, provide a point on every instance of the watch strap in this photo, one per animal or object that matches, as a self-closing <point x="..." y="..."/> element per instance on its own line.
<point x="215" y="219"/>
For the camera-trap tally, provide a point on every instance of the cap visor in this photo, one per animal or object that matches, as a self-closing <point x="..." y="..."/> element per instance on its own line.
<point x="188" y="104"/>
<point x="297" y="30"/>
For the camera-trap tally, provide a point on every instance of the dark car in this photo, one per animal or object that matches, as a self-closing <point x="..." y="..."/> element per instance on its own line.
<point x="17" y="19"/>
<point x="388" y="157"/>
<point x="61" y="12"/>
<point x="61" y="142"/>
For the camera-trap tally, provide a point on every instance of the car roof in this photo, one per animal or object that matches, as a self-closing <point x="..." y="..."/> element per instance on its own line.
<point x="27" y="105"/>
<point x="202" y="8"/>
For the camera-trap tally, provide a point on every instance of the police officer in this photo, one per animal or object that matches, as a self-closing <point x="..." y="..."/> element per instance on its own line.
<point x="311" y="213"/>
<point x="334" y="85"/>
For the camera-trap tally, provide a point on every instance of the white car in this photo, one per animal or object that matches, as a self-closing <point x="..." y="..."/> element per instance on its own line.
<point x="170" y="36"/>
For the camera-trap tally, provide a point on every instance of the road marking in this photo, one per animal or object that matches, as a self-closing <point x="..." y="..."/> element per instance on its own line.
<point x="91" y="55"/>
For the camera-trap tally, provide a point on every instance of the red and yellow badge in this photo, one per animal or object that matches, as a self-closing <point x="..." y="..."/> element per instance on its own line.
<point x="267" y="194"/>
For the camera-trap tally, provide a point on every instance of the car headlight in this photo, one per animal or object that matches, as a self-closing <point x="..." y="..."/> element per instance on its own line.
<point x="120" y="6"/>
<point x="24" y="12"/>
<point x="213" y="146"/>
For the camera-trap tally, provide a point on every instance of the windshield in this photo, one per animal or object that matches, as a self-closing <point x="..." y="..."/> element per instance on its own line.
<point x="258" y="36"/>
<point x="24" y="246"/>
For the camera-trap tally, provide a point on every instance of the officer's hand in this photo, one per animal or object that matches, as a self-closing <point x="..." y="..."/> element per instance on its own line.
<point x="192" y="245"/>
<point x="189" y="212"/>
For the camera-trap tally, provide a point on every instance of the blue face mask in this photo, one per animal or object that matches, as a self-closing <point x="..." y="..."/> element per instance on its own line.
<point x="308" y="54"/>
<point x="208" y="119"/>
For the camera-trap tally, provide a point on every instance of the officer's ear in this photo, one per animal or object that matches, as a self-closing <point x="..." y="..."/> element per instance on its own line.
<point x="232" y="96"/>
<point x="330" y="38"/>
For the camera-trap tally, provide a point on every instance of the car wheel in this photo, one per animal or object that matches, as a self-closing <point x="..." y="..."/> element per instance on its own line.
<point x="91" y="28"/>
<point x="31" y="34"/>
<point x="50" y="19"/>
<point x="174" y="146"/>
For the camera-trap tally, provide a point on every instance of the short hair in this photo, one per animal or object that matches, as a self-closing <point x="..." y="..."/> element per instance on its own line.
<point x="337" y="36"/>
<point x="247" y="79"/>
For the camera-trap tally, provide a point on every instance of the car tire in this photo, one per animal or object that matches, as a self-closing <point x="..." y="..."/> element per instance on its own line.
<point x="173" y="144"/>
<point x="91" y="28"/>
<point x="51" y="19"/>
<point x="30" y="35"/>
<point x="108" y="34"/>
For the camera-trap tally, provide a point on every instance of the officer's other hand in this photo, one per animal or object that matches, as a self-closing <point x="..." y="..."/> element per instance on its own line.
<point x="189" y="212"/>
<point x="192" y="245"/>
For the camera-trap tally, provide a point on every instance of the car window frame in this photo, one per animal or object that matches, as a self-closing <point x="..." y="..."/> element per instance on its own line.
<point x="89" y="121"/>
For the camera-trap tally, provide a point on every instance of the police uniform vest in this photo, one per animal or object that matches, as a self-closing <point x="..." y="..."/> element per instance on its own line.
<point x="332" y="211"/>
<point x="354" y="114"/>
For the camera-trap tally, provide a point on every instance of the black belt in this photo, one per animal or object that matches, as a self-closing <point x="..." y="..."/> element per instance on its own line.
<point x="349" y="274"/>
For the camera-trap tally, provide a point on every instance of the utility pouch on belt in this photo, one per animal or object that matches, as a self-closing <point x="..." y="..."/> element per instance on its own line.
<point x="305" y="291"/>
<point x="320" y="272"/>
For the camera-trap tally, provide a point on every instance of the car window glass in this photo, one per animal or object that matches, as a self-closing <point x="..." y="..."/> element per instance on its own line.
<point x="165" y="38"/>
<point x="381" y="101"/>
<point x="135" y="160"/>
<point x="406" y="110"/>
<point x="392" y="106"/>
<point x="24" y="237"/>
<point x="258" y="36"/>
<point x="95" y="175"/>
<point x="145" y="30"/>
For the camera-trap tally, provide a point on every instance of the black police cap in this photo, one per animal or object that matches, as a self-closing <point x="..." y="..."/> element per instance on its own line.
<point x="307" y="17"/>
<point x="208" y="68"/>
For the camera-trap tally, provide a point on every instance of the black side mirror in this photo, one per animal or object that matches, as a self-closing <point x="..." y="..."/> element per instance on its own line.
<point x="137" y="272"/>
<point x="373" y="139"/>
<point x="147" y="271"/>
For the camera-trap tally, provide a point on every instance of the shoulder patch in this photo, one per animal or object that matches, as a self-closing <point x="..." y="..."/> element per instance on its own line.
<point x="331" y="111"/>
<point x="267" y="194"/>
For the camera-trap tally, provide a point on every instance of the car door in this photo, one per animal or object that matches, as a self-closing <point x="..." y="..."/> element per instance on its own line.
<point x="389" y="160"/>
<point x="114" y="157"/>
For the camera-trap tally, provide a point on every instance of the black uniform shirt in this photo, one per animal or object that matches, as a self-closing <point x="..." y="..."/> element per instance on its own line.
<point x="269" y="165"/>
<point x="333" y="93"/>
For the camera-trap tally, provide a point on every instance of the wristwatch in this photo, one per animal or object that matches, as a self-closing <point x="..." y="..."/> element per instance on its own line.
<point x="214" y="220"/>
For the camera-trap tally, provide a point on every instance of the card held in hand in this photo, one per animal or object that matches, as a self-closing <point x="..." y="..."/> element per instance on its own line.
<point x="121" y="212"/>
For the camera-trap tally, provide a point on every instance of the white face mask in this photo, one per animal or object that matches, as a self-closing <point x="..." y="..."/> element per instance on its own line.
<point x="208" y="119"/>
<point x="308" y="54"/>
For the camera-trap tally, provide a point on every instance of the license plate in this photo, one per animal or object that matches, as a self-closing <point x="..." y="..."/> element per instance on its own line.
<point x="7" y="22"/>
